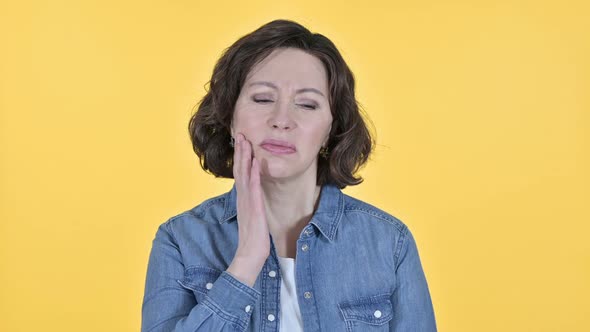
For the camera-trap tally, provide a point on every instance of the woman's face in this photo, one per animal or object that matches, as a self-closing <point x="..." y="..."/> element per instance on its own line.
<point x="283" y="110"/>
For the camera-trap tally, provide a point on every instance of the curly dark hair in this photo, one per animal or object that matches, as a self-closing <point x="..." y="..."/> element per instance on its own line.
<point x="350" y="142"/>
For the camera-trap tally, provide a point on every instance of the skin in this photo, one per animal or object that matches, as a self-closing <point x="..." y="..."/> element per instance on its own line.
<point x="277" y="194"/>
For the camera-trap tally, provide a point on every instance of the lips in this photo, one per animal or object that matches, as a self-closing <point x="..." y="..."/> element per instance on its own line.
<point x="278" y="146"/>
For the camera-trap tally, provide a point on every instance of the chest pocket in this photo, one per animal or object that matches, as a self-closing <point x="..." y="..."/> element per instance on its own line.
<point x="199" y="279"/>
<point x="367" y="313"/>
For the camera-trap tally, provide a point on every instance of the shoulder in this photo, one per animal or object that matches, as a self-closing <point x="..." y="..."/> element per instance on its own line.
<point x="199" y="235"/>
<point x="383" y="228"/>
<point x="354" y="206"/>
<point x="211" y="211"/>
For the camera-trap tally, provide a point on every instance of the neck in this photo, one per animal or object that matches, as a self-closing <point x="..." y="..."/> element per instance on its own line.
<point x="290" y="205"/>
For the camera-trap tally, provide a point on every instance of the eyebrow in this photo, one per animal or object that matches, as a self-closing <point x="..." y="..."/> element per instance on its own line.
<point x="272" y="85"/>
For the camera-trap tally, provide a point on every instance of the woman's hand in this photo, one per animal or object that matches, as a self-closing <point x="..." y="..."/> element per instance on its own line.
<point x="253" y="233"/>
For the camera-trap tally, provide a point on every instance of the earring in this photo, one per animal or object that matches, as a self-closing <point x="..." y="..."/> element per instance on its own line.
<point x="232" y="141"/>
<point x="324" y="152"/>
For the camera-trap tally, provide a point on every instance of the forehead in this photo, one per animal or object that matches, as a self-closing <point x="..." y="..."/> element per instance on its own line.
<point x="291" y="66"/>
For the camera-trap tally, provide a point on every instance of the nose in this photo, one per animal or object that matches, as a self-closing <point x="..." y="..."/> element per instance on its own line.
<point x="281" y="117"/>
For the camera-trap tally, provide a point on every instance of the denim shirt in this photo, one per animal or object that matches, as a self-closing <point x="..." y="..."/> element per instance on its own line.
<point x="357" y="268"/>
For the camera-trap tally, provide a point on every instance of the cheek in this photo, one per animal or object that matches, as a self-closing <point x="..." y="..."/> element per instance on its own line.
<point x="250" y="130"/>
<point x="246" y="122"/>
<point x="316" y="134"/>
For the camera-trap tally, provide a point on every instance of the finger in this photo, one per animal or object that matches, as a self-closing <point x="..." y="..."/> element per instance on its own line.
<point x="255" y="187"/>
<point x="248" y="157"/>
<point x="237" y="158"/>
<point x="245" y="161"/>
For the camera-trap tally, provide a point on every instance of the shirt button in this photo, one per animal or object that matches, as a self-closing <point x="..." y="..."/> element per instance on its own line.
<point x="307" y="295"/>
<point x="377" y="313"/>
<point x="209" y="285"/>
<point x="272" y="274"/>
<point x="248" y="307"/>
<point x="305" y="247"/>
<point x="271" y="317"/>
<point x="307" y="231"/>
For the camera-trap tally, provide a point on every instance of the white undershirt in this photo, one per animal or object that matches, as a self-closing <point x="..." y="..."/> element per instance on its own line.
<point x="290" y="313"/>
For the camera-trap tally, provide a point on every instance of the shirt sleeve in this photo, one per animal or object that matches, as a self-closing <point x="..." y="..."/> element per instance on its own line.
<point x="412" y="305"/>
<point x="167" y="306"/>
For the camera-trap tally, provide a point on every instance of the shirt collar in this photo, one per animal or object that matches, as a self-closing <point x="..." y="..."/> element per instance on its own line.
<point x="326" y="218"/>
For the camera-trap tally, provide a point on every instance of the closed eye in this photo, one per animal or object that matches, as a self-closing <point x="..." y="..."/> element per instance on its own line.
<point x="311" y="107"/>
<point x="265" y="101"/>
<point x="262" y="101"/>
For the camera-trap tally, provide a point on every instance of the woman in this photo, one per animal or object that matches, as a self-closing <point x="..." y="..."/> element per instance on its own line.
<point x="284" y="249"/>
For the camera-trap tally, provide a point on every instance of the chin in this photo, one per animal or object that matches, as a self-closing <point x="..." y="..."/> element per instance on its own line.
<point x="274" y="169"/>
<point x="277" y="172"/>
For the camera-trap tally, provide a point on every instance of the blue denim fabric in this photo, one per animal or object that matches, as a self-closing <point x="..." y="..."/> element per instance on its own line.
<point x="359" y="264"/>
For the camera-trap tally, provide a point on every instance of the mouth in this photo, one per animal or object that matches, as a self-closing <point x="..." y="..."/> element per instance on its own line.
<point x="278" y="146"/>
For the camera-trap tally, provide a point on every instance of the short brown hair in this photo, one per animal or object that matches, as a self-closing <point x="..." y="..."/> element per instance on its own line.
<point x="350" y="142"/>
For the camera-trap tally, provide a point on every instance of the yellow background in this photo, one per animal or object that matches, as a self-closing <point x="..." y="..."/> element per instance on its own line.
<point x="482" y="117"/>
